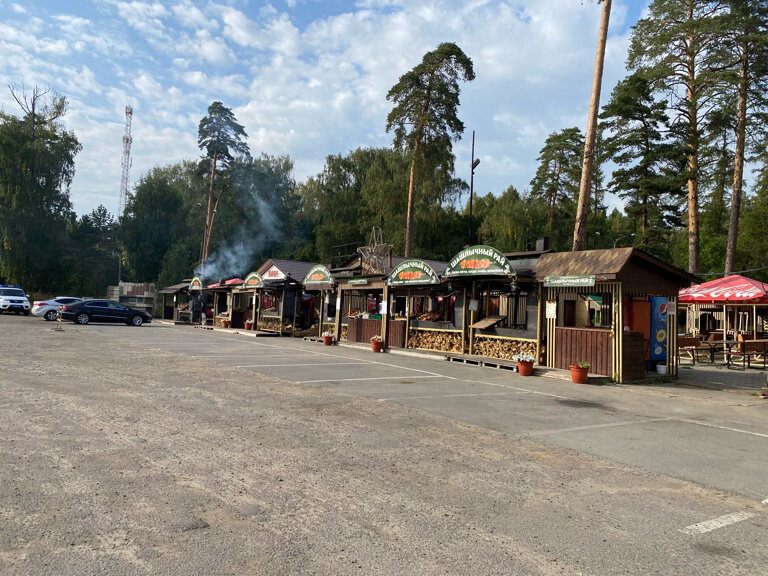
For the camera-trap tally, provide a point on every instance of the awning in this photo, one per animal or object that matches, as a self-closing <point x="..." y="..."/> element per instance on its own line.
<point x="487" y="322"/>
<point x="734" y="289"/>
<point x="479" y="261"/>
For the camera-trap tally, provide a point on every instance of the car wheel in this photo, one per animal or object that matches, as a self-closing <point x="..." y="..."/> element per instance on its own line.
<point x="82" y="318"/>
<point x="137" y="320"/>
<point x="51" y="315"/>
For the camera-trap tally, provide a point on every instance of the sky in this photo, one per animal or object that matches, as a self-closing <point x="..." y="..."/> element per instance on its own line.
<point x="306" y="78"/>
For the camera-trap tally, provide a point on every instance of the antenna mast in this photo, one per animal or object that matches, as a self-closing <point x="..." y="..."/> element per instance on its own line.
<point x="126" y="163"/>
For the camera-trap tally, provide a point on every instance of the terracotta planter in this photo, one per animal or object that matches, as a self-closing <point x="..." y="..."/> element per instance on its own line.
<point x="376" y="346"/>
<point x="327" y="340"/>
<point x="578" y="375"/>
<point x="248" y="325"/>
<point x="225" y="323"/>
<point x="524" y="368"/>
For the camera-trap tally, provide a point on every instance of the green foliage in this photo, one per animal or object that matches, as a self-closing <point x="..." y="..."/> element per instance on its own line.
<point x="425" y="122"/>
<point x="510" y="221"/>
<point x="37" y="164"/>
<point x="556" y="183"/>
<point x="220" y="135"/>
<point x="650" y="158"/>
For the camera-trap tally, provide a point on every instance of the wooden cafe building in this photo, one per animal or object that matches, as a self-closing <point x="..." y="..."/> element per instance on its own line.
<point x="615" y="309"/>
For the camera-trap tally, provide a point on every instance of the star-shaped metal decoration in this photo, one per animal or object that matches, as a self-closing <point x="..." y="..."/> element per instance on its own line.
<point x="374" y="254"/>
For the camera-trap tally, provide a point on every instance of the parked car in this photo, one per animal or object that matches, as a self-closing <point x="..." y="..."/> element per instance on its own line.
<point x="49" y="308"/>
<point x="103" y="311"/>
<point x="13" y="299"/>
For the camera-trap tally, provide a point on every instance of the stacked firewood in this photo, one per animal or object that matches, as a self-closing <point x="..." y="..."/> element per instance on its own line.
<point x="271" y="324"/>
<point x="505" y="349"/>
<point x="305" y="332"/>
<point x="435" y="340"/>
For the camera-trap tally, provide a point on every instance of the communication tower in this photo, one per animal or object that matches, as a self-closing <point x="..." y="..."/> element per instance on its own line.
<point x="126" y="163"/>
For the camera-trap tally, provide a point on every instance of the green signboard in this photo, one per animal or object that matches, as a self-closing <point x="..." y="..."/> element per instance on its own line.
<point x="569" y="281"/>
<point x="412" y="273"/>
<point x="479" y="261"/>
<point x="196" y="284"/>
<point x="319" y="275"/>
<point x="253" y="280"/>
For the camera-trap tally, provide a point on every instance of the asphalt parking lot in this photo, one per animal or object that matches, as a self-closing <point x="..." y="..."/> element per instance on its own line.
<point x="176" y="450"/>
<point x="695" y="439"/>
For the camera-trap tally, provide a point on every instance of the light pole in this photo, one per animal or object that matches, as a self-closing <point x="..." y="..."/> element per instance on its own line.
<point x="475" y="162"/>
<point x="615" y="240"/>
<point x="622" y="237"/>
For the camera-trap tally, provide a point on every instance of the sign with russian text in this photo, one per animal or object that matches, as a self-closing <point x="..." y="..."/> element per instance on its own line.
<point x="253" y="280"/>
<point x="569" y="281"/>
<point x="319" y="275"/>
<point x="273" y="273"/>
<point x="412" y="272"/>
<point x="479" y="261"/>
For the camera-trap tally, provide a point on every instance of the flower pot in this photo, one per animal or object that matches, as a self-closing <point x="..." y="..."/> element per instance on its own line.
<point x="376" y="345"/>
<point x="225" y="323"/>
<point x="327" y="340"/>
<point x="661" y="368"/>
<point x="524" y="368"/>
<point x="248" y="325"/>
<point x="578" y="375"/>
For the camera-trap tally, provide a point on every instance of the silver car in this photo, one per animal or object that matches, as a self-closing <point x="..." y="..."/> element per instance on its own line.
<point x="49" y="309"/>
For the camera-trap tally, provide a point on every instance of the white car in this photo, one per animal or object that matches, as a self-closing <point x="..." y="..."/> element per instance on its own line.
<point x="13" y="299"/>
<point x="49" y="309"/>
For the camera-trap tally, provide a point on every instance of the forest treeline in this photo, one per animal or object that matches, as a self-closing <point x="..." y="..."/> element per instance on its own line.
<point x="681" y="141"/>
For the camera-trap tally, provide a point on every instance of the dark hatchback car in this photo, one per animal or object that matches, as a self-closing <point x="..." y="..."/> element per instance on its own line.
<point x="104" y="311"/>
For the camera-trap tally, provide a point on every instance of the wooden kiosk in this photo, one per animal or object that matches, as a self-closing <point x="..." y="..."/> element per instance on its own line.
<point x="610" y="308"/>
<point x="424" y="311"/>
<point x="501" y="311"/>
<point x="321" y="287"/>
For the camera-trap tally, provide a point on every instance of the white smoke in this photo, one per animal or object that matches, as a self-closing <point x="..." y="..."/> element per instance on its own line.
<point x="235" y="254"/>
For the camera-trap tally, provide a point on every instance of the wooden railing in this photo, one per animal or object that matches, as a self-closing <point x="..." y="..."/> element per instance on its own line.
<point x="593" y="345"/>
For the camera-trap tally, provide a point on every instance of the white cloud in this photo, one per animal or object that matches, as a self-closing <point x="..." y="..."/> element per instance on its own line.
<point x="302" y="85"/>
<point x="191" y="16"/>
<point x="144" y="17"/>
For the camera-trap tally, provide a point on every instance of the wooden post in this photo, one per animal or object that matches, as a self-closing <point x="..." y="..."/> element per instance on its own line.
<point x="385" y="316"/>
<point x="322" y="312"/>
<point x="296" y="302"/>
<point x="472" y="321"/>
<point x="407" y="317"/>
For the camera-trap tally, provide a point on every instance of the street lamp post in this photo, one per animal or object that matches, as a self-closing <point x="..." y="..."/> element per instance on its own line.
<point x="615" y="240"/>
<point x="622" y="237"/>
<point x="475" y="162"/>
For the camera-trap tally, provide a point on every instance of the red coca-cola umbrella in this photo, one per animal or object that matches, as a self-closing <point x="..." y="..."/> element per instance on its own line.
<point x="732" y="289"/>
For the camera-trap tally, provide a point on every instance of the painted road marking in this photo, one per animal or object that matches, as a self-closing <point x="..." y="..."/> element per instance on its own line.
<point x="724" y="428"/>
<point x="365" y="379"/>
<point x="426" y="396"/>
<point x="312" y="364"/>
<point x="596" y="426"/>
<point x="721" y="522"/>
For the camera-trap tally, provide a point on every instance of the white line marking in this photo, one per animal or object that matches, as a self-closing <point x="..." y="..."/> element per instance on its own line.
<point x="724" y="428"/>
<point x="364" y="379"/>
<point x="249" y="354"/>
<point x="596" y="426"/>
<point x="526" y="390"/>
<point x="445" y="396"/>
<point x="721" y="522"/>
<point x="313" y="364"/>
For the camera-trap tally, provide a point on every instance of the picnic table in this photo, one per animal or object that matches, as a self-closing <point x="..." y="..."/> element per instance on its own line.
<point x="747" y="351"/>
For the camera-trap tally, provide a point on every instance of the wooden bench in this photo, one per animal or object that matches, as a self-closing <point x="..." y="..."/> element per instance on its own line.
<point x="747" y="351"/>
<point x="689" y="346"/>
